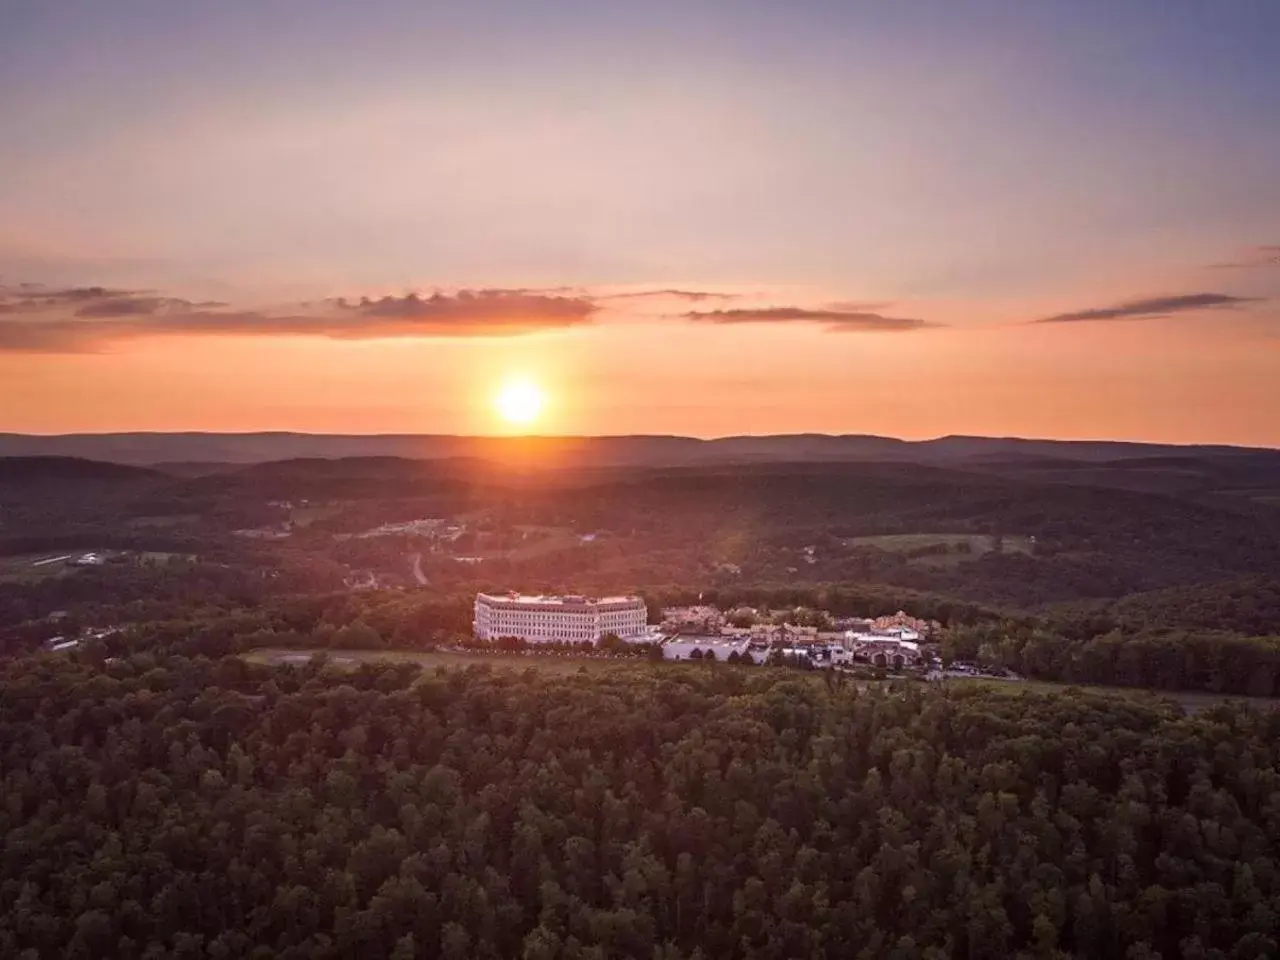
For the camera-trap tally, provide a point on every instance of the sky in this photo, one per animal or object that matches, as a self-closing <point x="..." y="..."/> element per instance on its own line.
<point x="704" y="217"/>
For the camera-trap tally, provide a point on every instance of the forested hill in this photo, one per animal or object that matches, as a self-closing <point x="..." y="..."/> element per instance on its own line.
<point x="1250" y="605"/>
<point x="37" y="470"/>
<point x="45" y="491"/>
<point x="213" y="448"/>
<point x="976" y="535"/>
<point x="163" y="807"/>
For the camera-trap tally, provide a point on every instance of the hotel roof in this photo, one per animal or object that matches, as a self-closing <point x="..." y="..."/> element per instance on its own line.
<point x="540" y="600"/>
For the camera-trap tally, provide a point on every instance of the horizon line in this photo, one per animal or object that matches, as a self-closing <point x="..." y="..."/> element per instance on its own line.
<point x="632" y="436"/>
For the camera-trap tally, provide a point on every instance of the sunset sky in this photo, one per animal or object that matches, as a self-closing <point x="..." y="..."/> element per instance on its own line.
<point x="1056" y="219"/>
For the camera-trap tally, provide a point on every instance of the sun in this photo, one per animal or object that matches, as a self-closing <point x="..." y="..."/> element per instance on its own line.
<point x="520" y="402"/>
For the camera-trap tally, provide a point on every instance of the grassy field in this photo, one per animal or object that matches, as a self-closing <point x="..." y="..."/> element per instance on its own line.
<point x="1190" y="702"/>
<point x="168" y="520"/>
<point x="978" y="543"/>
<point x="160" y="557"/>
<point x="305" y="516"/>
<point x="27" y="568"/>
<point x="539" y="541"/>
<point x="434" y="658"/>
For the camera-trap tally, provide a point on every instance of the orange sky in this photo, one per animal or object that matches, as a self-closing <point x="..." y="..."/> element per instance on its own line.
<point x="1043" y="219"/>
<point x="1153" y="380"/>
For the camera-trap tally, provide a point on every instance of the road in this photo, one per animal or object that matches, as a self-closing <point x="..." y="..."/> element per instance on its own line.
<point x="417" y="569"/>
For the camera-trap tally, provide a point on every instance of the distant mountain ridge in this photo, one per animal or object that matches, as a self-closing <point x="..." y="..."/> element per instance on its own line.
<point x="46" y="469"/>
<point x="149" y="449"/>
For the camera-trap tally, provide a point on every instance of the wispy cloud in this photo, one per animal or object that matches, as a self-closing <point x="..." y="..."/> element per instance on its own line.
<point x="88" y="335"/>
<point x="89" y="318"/>
<point x="694" y="296"/>
<point x="1150" y="308"/>
<point x="142" y="307"/>
<point x="467" y="308"/>
<point x="1264" y="256"/>
<point x="858" y="306"/>
<point x="832" y="320"/>
<point x="33" y="299"/>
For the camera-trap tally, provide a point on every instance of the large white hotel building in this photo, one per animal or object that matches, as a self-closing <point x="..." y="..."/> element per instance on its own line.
<point x="568" y="619"/>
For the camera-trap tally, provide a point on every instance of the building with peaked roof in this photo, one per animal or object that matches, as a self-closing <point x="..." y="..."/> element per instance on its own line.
<point x="695" y="619"/>
<point x="902" y="620"/>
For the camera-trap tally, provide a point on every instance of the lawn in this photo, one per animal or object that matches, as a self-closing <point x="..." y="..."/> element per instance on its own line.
<point x="28" y="568"/>
<point x="305" y="516"/>
<point x="436" y="658"/>
<point x="167" y="520"/>
<point x="539" y="541"/>
<point x="161" y="558"/>
<point x="564" y="665"/>
<point x="979" y="544"/>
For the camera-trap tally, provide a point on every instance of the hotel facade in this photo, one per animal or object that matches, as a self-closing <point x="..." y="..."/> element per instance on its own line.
<point x="568" y="619"/>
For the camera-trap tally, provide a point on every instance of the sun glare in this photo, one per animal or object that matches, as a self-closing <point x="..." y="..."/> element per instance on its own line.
<point x="520" y="402"/>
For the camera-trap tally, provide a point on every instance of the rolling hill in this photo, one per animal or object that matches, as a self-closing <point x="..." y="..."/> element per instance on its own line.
<point x="218" y="448"/>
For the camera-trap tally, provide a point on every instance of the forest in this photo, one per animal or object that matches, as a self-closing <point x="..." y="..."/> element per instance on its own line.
<point x="163" y="796"/>
<point x="671" y="528"/>
<point x="1220" y="638"/>
<point x="161" y="806"/>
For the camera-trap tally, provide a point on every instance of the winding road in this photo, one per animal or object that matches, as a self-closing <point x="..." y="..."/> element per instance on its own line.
<point x="417" y="569"/>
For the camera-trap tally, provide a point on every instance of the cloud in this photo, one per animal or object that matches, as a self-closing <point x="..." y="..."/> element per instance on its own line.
<point x="33" y="299"/>
<point x="695" y="296"/>
<point x="857" y="306"/>
<point x="831" y="320"/>
<point x="479" y="308"/>
<point x="1264" y="256"/>
<point x="89" y="318"/>
<point x="141" y="307"/>
<point x="1150" y="308"/>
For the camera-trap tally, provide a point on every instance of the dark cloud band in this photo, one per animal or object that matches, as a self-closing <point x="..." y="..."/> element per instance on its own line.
<point x="694" y="296"/>
<point x="835" y="321"/>
<point x="80" y="319"/>
<point x="1150" y="308"/>
<point x="84" y="319"/>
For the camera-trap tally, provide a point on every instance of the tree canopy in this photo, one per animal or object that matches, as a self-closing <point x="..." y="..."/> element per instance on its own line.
<point x="164" y="806"/>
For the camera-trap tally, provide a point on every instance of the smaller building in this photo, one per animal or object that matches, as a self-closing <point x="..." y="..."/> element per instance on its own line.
<point x="902" y="620"/>
<point x="707" y="648"/>
<point x="856" y="624"/>
<point x="883" y="651"/>
<point x="783" y="633"/>
<point x="905" y="634"/>
<point x="700" y="619"/>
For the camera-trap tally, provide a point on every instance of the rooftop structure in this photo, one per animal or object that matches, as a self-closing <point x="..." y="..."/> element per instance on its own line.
<point x="774" y="633"/>
<point x="708" y="647"/>
<point x="884" y="651"/>
<point x="695" y="619"/>
<point x="564" y="619"/>
<point x="901" y="620"/>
